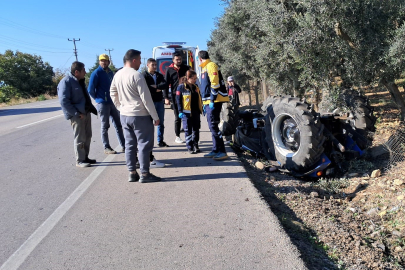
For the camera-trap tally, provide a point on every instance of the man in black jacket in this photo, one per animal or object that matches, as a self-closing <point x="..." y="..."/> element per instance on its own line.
<point x="174" y="72"/>
<point x="156" y="83"/>
<point x="233" y="93"/>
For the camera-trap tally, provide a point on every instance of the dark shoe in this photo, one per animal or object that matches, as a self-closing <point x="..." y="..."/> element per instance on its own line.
<point x="133" y="177"/>
<point x="123" y="149"/>
<point x="82" y="164"/>
<point x="91" y="161"/>
<point x="196" y="149"/>
<point x="162" y="144"/>
<point x="191" y="151"/>
<point x="109" y="150"/>
<point x="149" y="178"/>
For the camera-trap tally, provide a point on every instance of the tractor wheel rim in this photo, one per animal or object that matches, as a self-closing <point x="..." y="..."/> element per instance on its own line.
<point x="286" y="135"/>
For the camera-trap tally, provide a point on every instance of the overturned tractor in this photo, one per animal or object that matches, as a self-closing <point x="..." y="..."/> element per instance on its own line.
<point x="303" y="142"/>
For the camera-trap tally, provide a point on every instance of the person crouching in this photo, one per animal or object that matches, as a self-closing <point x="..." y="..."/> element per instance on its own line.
<point x="189" y="104"/>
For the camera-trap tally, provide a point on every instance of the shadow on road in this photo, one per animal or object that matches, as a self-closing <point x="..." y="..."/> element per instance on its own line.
<point x="28" y="111"/>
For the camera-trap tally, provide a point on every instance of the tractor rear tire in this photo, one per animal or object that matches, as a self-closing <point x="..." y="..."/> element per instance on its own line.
<point x="364" y="120"/>
<point x="229" y="119"/>
<point x="294" y="132"/>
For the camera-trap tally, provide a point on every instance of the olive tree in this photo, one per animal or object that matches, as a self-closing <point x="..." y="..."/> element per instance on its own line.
<point x="232" y="45"/>
<point x="300" y="46"/>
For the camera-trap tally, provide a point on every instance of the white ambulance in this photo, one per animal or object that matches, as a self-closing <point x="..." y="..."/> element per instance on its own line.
<point x="163" y="56"/>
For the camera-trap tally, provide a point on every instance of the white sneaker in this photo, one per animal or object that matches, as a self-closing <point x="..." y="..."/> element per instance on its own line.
<point x="156" y="164"/>
<point x="178" y="140"/>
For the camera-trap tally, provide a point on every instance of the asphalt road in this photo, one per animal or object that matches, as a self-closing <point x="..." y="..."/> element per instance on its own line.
<point x="204" y="215"/>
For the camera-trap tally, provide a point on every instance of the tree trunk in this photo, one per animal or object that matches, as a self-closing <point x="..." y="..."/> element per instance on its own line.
<point x="296" y="84"/>
<point x="317" y="99"/>
<point x="396" y="96"/>
<point x="264" y="90"/>
<point x="256" y="90"/>
<point x="250" y="95"/>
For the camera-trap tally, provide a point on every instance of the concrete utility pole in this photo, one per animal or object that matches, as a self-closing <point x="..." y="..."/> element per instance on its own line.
<point x="74" y="43"/>
<point x="143" y="64"/>
<point x="109" y="54"/>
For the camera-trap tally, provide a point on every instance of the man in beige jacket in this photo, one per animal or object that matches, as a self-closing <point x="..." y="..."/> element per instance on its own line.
<point x="131" y="96"/>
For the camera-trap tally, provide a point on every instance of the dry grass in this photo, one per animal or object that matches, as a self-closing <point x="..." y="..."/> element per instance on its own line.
<point x="19" y="101"/>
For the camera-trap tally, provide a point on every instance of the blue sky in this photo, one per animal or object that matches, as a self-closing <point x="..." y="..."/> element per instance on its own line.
<point x="43" y="27"/>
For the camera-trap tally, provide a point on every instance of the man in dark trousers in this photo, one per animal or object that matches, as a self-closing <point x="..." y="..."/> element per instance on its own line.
<point x="131" y="96"/>
<point x="99" y="90"/>
<point x="175" y="71"/>
<point x="233" y="92"/>
<point x="76" y="105"/>
<point x="213" y="94"/>
<point x="156" y="83"/>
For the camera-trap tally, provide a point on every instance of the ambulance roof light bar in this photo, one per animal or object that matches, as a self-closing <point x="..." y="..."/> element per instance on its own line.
<point x="174" y="43"/>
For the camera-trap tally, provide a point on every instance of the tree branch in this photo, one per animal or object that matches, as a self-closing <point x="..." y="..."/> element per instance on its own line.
<point x="344" y="36"/>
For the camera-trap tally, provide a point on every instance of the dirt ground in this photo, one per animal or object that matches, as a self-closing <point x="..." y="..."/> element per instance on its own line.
<point x="354" y="221"/>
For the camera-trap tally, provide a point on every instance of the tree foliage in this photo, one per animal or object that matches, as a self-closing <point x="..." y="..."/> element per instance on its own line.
<point x="58" y="75"/>
<point x="300" y="46"/>
<point x="24" y="75"/>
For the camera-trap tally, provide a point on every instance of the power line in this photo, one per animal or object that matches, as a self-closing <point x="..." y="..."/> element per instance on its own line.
<point x="74" y="43"/>
<point x="12" y="40"/>
<point x="24" y="47"/>
<point x="90" y="45"/>
<point x="60" y="67"/>
<point x="18" y="26"/>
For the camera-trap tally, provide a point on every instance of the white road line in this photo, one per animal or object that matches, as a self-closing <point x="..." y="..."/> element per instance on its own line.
<point x="21" y="254"/>
<point x="59" y="115"/>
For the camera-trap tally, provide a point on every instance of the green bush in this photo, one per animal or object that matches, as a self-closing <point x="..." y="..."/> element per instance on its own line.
<point x="28" y="74"/>
<point x="7" y="93"/>
<point x="41" y="98"/>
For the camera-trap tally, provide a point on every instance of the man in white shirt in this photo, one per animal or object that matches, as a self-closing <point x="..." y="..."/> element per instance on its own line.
<point x="131" y="96"/>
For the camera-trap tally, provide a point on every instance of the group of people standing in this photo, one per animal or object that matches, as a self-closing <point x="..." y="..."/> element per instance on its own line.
<point x="135" y="103"/>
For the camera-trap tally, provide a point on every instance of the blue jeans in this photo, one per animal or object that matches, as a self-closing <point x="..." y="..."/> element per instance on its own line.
<point x="160" y="109"/>
<point x="107" y="111"/>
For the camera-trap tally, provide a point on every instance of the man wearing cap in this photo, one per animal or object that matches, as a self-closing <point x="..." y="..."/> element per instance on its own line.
<point x="99" y="90"/>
